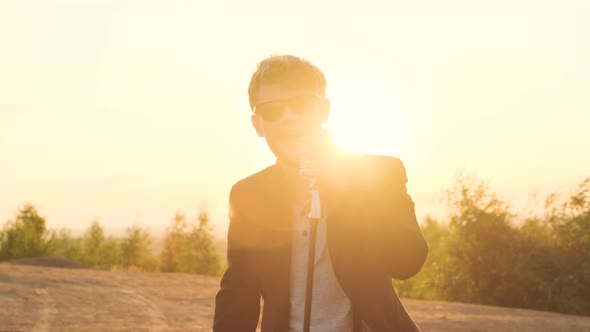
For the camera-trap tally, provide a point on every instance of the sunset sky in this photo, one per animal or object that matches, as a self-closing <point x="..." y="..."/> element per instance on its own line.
<point x="128" y="111"/>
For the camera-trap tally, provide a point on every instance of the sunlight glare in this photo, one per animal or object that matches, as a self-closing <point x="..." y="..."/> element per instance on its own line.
<point x="367" y="123"/>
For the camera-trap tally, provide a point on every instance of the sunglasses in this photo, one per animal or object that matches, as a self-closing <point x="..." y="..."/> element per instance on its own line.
<point x="303" y="104"/>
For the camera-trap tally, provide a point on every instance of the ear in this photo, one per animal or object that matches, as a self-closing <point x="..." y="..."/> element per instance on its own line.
<point x="257" y="124"/>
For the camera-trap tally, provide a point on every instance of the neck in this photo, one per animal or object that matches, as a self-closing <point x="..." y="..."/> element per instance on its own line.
<point x="299" y="186"/>
<point x="291" y="170"/>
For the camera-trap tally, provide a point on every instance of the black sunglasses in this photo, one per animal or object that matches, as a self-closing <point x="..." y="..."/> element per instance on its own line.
<point x="302" y="104"/>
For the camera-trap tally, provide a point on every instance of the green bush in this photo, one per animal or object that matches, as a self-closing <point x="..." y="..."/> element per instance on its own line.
<point x="26" y="236"/>
<point x="69" y="247"/>
<point x="190" y="248"/>
<point x="98" y="250"/>
<point x="136" y="250"/>
<point x="480" y="255"/>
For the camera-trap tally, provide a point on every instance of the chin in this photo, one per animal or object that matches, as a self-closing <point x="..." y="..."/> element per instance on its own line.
<point x="286" y="151"/>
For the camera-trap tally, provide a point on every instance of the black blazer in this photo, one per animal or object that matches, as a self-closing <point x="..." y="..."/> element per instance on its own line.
<point x="372" y="236"/>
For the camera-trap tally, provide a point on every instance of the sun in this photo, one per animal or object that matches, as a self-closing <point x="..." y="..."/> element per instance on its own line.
<point x="370" y="123"/>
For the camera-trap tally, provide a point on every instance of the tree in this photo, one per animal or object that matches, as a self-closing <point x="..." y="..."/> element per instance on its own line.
<point x="93" y="239"/>
<point x="174" y="257"/>
<point x="26" y="236"/>
<point x="483" y="246"/>
<point x="99" y="250"/>
<point x="136" y="250"/>
<point x="207" y="260"/>
<point x="568" y="221"/>
<point x="68" y="246"/>
<point x="190" y="249"/>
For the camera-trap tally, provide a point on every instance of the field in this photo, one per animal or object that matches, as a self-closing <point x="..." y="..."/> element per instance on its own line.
<point x="37" y="298"/>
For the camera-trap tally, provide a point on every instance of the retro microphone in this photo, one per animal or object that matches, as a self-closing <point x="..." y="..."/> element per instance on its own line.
<point x="309" y="170"/>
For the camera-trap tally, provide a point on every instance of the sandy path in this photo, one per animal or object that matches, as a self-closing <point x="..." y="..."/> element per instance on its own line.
<point x="54" y="299"/>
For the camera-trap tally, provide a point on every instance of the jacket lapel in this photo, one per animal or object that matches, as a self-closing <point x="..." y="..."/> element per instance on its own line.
<point x="276" y="260"/>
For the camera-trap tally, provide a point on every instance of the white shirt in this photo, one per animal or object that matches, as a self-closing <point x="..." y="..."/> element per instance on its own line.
<point x="331" y="310"/>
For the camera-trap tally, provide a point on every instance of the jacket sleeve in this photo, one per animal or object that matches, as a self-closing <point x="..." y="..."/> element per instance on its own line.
<point x="399" y="240"/>
<point x="237" y="304"/>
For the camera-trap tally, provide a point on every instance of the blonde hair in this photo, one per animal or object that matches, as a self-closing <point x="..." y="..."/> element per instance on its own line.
<point x="288" y="71"/>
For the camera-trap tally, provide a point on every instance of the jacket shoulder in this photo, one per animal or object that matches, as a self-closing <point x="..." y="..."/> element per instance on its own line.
<point x="252" y="182"/>
<point x="377" y="160"/>
<point x="375" y="167"/>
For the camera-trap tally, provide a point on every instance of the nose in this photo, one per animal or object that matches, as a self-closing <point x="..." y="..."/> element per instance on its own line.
<point x="291" y="121"/>
<point x="289" y="114"/>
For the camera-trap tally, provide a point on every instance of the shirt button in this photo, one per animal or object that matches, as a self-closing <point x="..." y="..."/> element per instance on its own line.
<point x="304" y="233"/>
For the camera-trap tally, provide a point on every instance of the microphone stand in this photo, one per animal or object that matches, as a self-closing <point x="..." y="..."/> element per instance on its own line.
<point x="314" y="216"/>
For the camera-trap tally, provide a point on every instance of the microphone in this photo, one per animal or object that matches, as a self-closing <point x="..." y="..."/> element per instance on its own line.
<point x="309" y="170"/>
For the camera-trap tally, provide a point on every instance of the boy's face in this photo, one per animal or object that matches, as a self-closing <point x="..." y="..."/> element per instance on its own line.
<point x="290" y="120"/>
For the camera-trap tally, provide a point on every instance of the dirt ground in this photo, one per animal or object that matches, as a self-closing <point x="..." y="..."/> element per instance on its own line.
<point x="34" y="298"/>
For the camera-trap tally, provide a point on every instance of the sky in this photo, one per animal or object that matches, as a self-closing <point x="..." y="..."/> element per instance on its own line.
<point x="130" y="111"/>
